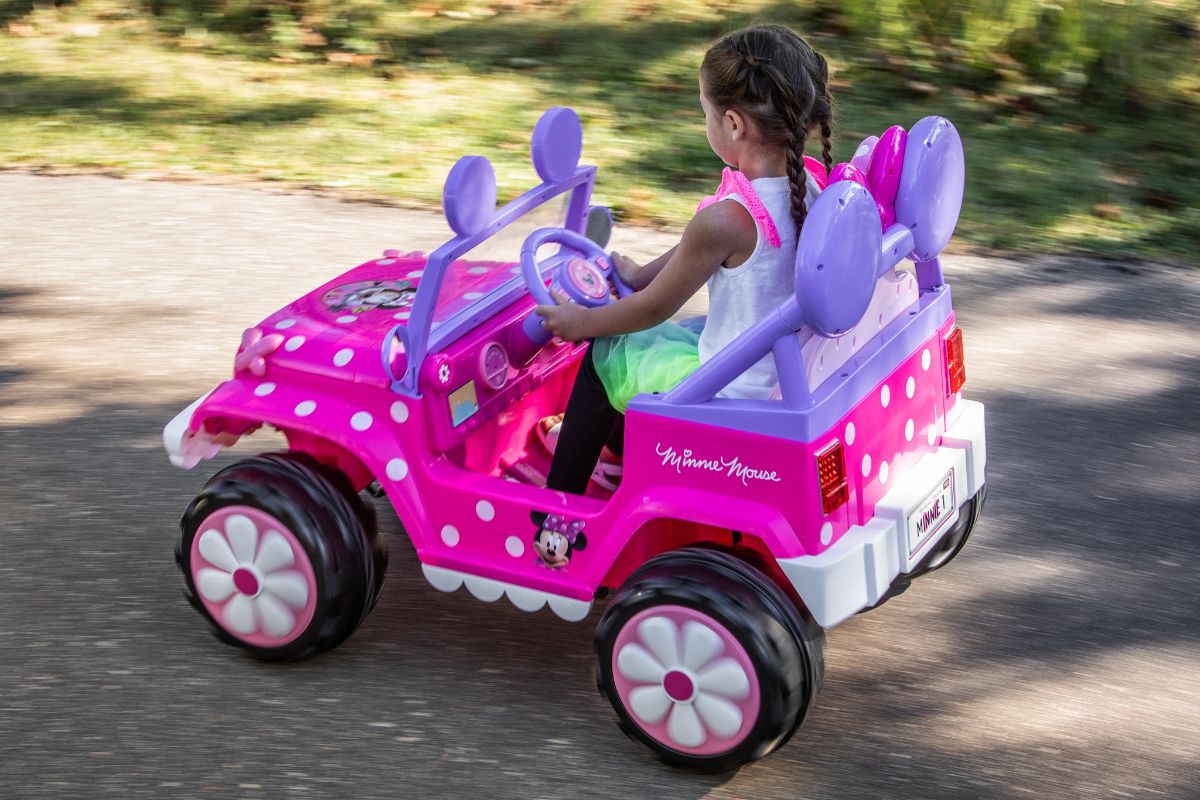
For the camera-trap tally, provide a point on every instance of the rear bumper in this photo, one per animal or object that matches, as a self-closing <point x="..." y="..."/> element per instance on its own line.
<point x="857" y="571"/>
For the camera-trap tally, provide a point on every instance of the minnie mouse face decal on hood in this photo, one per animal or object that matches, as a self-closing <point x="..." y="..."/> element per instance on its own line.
<point x="366" y="295"/>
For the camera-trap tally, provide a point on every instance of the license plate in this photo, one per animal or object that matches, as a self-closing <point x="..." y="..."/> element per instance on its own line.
<point x="933" y="513"/>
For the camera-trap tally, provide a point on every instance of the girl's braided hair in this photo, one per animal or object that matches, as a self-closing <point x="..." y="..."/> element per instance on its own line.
<point x="774" y="77"/>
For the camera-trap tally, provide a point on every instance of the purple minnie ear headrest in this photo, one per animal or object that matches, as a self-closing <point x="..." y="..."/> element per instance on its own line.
<point x="837" y="258"/>
<point x="931" y="185"/>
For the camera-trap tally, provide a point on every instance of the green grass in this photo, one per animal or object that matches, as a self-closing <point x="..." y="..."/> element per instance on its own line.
<point x="129" y="95"/>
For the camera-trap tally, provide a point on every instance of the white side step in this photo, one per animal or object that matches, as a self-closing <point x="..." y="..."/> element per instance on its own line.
<point x="489" y="591"/>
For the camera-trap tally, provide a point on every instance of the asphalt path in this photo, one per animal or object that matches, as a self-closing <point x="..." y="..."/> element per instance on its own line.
<point x="1058" y="657"/>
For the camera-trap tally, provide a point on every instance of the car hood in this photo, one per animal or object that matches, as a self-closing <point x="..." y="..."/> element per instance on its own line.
<point x="337" y="330"/>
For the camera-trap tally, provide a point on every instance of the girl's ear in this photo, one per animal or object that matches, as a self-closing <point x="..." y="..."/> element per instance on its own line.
<point x="735" y="124"/>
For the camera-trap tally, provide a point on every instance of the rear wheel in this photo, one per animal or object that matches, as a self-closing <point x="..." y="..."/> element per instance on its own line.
<point x="706" y="661"/>
<point x="278" y="559"/>
<point x="956" y="538"/>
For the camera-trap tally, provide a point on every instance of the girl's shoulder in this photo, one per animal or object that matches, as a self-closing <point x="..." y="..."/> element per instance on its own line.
<point x="726" y="218"/>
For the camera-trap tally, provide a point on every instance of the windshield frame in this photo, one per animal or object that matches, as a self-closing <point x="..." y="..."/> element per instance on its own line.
<point x="419" y="340"/>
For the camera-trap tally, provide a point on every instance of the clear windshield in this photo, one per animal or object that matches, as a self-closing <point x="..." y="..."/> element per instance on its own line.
<point x="495" y="262"/>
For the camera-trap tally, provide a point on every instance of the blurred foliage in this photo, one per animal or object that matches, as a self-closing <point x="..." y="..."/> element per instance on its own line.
<point x="1073" y="112"/>
<point x="1115" y="49"/>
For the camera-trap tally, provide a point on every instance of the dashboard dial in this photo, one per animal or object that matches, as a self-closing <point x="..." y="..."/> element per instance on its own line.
<point x="493" y="365"/>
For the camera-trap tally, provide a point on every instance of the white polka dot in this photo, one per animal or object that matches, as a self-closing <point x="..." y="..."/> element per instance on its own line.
<point x="885" y="396"/>
<point x="866" y="465"/>
<point x="397" y="469"/>
<point x="399" y="411"/>
<point x="485" y="510"/>
<point x="450" y="535"/>
<point x="293" y="343"/>
<point x="850" y="433"/>
<point x="361" y="421"/>
<point x="284" y="324"/>
<point x="925" y="358"/>
<point x="303" y="409"/>
<point x="472" y="295"/>
<point x="342" y="357"/>
<point x="514" y="546"/>
<point x="478" y="270"/>
<point x="883" y="472"/>
<point x="910" y="387"/>
<point x="909" y="430"/>
<point x="416" y="273"/>
<point x="827" y="533"/>
<point x="931" y="435"/>
<point x="264" y="389"/>
<point x="402" y="315"/>
<point x="347" y="319"/>
<point x="383" y="262"/>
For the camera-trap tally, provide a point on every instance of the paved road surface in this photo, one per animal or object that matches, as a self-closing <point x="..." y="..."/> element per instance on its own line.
<point x="1057" y="658"/>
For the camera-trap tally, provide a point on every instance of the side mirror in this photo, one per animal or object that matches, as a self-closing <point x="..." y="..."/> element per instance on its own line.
<point x="599" y="225"/>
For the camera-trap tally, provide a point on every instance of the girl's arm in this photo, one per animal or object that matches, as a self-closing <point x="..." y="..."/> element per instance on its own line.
<point x="639" y="277"/>
<point x="713" y="235"/>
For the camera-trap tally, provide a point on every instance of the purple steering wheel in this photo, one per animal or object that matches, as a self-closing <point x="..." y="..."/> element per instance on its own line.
<point x="584" y="275"/>
<point x="583" y="278"/>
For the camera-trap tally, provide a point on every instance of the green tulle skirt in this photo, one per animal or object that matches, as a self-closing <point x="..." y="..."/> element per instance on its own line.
<point x="653" y="360"/>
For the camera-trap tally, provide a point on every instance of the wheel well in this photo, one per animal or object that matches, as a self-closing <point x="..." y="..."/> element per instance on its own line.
<point x="663" y="535"/>
<point x="331" y="455"/>
<point x="226" y="429"/>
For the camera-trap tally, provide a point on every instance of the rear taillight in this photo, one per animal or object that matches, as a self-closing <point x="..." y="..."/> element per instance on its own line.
<point x="956" y="367"/>
<point x="831" y="470"/>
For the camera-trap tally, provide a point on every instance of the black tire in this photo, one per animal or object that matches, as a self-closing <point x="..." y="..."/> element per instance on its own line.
<point x="785" y="647"/>
<point x="363" y="509"/>
<point x="343" y="550"/>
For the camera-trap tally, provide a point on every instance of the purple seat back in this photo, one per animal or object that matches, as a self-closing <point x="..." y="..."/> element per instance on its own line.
<point x="877" y="164"/>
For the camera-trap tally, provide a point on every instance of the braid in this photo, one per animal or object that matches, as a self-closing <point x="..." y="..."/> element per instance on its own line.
<point x="797" y="178"/>
<point x="827" y="143"/>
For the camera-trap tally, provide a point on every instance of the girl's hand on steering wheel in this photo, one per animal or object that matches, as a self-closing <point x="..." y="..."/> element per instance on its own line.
<point x="627" y="269"/>
<point x="566" y="320"/>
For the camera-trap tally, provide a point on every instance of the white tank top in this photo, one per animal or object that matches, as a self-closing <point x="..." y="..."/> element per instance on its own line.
<point x="740" y="296"/>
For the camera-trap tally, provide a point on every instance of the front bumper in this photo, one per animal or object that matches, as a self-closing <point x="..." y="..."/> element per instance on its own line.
<point x="857" y="571"/>
<point x="185" y="447"/>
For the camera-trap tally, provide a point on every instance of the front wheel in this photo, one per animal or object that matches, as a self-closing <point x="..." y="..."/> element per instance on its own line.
<point x="278" y="559"/>
<point x="705" y="661"/>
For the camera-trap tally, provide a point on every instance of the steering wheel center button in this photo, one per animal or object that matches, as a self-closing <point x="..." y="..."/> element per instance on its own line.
<point x="587" y="279"/>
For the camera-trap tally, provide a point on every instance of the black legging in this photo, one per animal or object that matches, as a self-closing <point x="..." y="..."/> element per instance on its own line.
<point x="589" y="424"/>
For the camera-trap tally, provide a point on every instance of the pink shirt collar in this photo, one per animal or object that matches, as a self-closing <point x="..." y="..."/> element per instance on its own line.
<point x="733" y="182"/>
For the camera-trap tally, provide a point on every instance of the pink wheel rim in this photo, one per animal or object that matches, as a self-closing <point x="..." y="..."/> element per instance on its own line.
<point x="685" y="680"/>
<point x="253" y="576"/>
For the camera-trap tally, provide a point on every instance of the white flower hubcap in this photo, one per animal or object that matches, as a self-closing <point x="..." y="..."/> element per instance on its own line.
<point x="686" y="680"/>
<point x="253" y="576"/>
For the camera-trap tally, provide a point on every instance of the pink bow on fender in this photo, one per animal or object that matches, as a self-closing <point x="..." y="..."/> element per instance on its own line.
<point x="736" y="183"/>
<point x="254" y="351"/>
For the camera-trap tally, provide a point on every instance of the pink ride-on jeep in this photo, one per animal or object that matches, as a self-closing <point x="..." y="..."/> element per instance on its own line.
<point x="741" y="529"/>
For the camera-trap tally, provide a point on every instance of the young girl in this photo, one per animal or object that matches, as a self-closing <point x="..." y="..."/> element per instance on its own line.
<point x="765" y="93"/>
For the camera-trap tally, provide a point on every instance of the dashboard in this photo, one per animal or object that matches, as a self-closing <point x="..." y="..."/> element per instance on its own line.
<point x="474" y="379"/>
